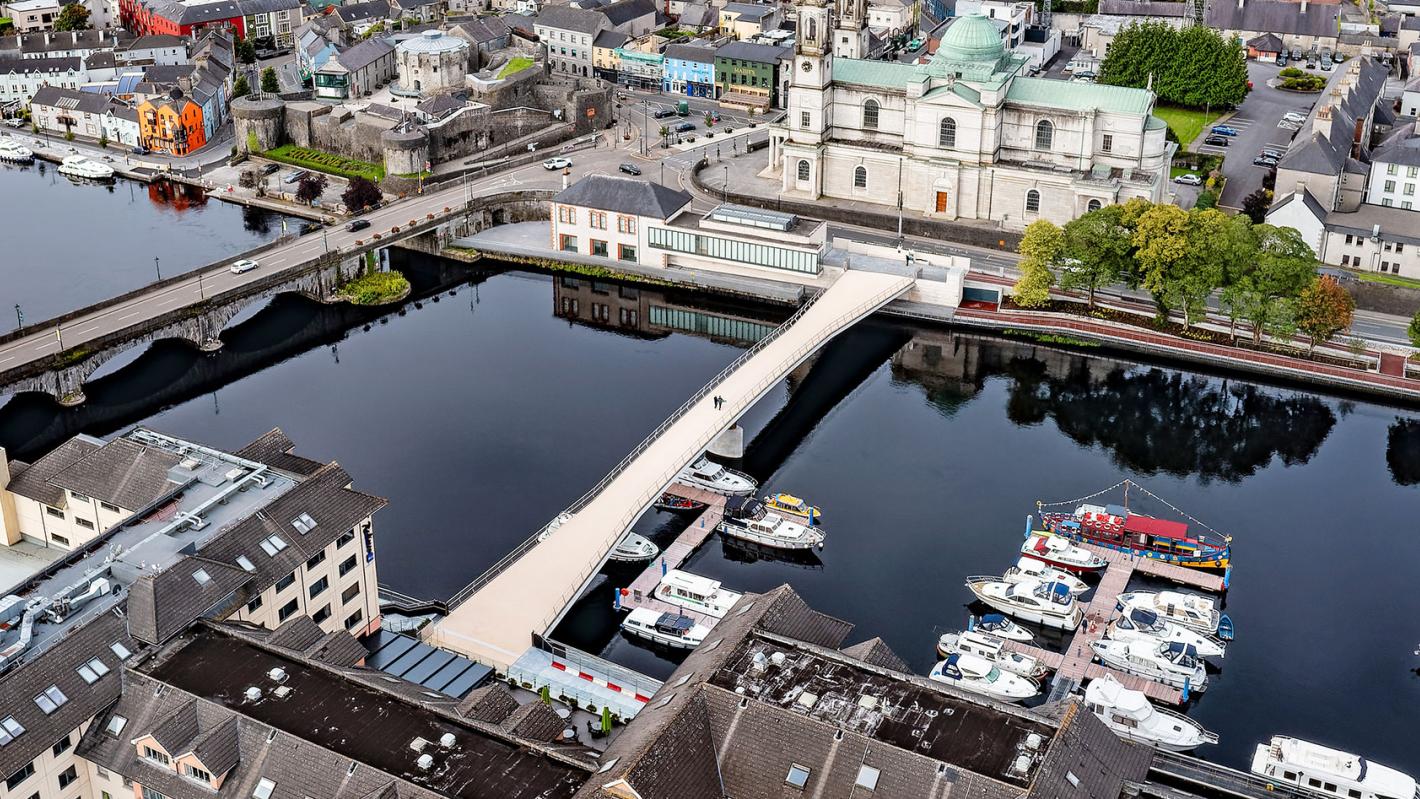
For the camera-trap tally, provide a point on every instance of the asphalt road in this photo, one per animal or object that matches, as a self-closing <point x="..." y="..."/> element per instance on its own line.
<point x="1256" y="122"/>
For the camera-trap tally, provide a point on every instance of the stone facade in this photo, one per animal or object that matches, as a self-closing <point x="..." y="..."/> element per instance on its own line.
<point x="432" y="63"/>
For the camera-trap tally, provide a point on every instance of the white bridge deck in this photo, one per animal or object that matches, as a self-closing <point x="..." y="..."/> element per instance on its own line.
<point x="493" y="620"/>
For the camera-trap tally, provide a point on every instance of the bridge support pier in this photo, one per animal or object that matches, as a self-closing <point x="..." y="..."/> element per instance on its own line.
<point x="729" y="444"/>
<point x="210" y="344"/>
<point x="73" y="399"/>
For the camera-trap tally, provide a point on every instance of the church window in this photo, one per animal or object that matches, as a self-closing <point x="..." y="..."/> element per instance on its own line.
<point x="803" y="170"/>
<point x="947" y="133"/>
<point x="1032" y="202"/>
<point x="870" y="114"/>
<point x="860" y="177"/>
<point x="1044" y="134"/>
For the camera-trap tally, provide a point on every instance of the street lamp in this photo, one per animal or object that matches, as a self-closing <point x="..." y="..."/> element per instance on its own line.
<point x="727" y="183"/>
<point x="157" y="269"/>
<point x="19" y="318"/>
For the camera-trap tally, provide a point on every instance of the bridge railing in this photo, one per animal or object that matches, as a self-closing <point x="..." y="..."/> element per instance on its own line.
<point x="644" y="500"/>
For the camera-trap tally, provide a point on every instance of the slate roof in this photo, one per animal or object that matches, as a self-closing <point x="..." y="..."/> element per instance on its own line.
<point x="485" y="29"/>
<point x="1142" y="8"/>
<point x="359" y="12"/>
<point x="749" y="51"/>
<point x="440" y="105"/>
<point x="121" y="472"/>
<point x="534" y="721"/>
<point x="1397" y="224"/>
<point x="34" y="483"/>
<point x="160" y="605"/>
<point x="624" y="195"/>
<point x="1402" y="147"/>
<point x="364" y="54"/>
<point x="570" y="19"/>
<point x="1306" y="198"/>
<point x="1266" y="43"/>
<point x="624" y="11"/>
<point x="698" y="15"/>
<point x="44" y="65"/>
<point x="791" y="616"/>
<point x="54" y="41"/>
<point x="155" y="41"/>
<point x="750" y="12"/>
<point x="610" y="39"/>
<point x="176" y="731"/>
<point x="274" y="448"/>
<point x="876" y="651"/>
<point x="1324" y="147"/>
<point x="1099" y="761"/>
<point x="699" y="54"/>
<point x="296" y="633"/>
<point x="1275" y="16"/>
<point x="491" y="704"/>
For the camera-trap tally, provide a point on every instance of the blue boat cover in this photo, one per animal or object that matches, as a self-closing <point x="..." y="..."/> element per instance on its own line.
<point x="993" y="619"/>
<point x="1143" y="617"/>
<point x="674" y="622"/>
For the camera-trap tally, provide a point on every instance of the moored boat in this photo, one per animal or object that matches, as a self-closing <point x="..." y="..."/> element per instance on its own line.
<point x="1132" y="717"/>
<point x="991" y="648"/>
<point x="15" y="153"/>
<point x="1329" y="772"/>
<point x="1191" y="610"/>
<point x="1142" y="624"/>
<point x="693" y="592"/>
<point x="1001" y="627"/>
<point x="711" y="476"/>
<point x="1119" y="527"/>
<point x="77" y="166"/>
<point x="978" y="675"/>
<point x="792" y="507"/>
<point x="1048" y="604"/>
<point x="772" y="530"/>
<point x="1169" y="663"/>
<point x="633" y="547"/>
<point x="679" y="504"/>
<point x="1057" y="551"/>
<point x="1032" y="569"/>
<point x="667" y="629"/>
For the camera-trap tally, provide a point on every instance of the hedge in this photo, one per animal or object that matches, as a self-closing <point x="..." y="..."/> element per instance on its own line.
<point x="376" y="288"/>
<point x="328" y="163"/>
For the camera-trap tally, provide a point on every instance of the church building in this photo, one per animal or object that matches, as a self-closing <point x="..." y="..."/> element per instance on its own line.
<point x="963" y="136"/>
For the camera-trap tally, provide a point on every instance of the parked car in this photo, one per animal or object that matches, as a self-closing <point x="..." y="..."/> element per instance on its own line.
<point x="1224" y="130"/>
<point x="662" y="113"/>
<point x="1296" y="54"/>
<point x="244" y="265"/>
<point x="357" y="224"/>
<point x="1281" y="59"/>
<point x="1269" y="152"/>
<point x="1217" y="141"/>
<point x="1326" y="65"/>
<point x="1294" y="116"/>
<point x="15" y="122"/>
<point x="1262" y="160"/>
<point x="1337" y="56"/>
<point x="630" y="169"/>
<point x="556" y="163"/>
<point x="685" y="127"/>
<point x="1189" y="179"/>
<point x="140" y="151"/>
<point x="270" y="169"/>
<point x="293" y="176"/>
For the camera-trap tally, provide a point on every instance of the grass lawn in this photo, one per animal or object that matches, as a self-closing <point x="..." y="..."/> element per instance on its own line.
<point x="1390" y="280"/>
<point x="328" y="163"/>
<point x="1186" y="123"/>
<point x="514" y="66"/>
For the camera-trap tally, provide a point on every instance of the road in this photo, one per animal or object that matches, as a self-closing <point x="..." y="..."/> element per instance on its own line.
<point x="1256" y="122"/>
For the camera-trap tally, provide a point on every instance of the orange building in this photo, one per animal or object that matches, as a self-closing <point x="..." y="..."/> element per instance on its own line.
<point x="171" y="124"/>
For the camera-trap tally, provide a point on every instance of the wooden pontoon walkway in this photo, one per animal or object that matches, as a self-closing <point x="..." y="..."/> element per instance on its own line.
<point x="643" y="587"/>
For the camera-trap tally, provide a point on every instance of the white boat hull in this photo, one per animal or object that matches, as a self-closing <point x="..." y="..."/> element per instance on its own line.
<point x="1066" y="621"/>
<point x="1197" y="680"/>
<point x="633" y="548"/>
<point x="813" y="539"/>
<point x="671" y="641"/>
<point x="1207" y="646"/>
<point x="1131" y="734"/>
<point x="1012" y="690"/>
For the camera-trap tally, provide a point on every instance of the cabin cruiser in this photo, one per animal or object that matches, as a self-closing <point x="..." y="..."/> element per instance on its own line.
<point x="1050" y="604"/>
<point x="15" y="153"/>
<point x="1191" y="610"/>
<point x="632" y="548"/>
<point x="711" y="476"/>
<point x="991" y="648"/>
<point x="1141" y="624"/>
<point x="772" y="530"/>
<point x="981" y="676"/>
<point x="1001" y="627"/>
<point x="1059" y="552"/>
<point x="791" y="507"/>
<point x="1320" y="770"/>
<point x="667" y="629"/>
<point x="678" y="504"/>
<point x="77" y="166"/>
<point x="1117" y="527"/>
<point x="1130" y="715"/>
<point x="1030" y="568"/>
<point x="693" y="592"/>
<point x="1170" y="663"/>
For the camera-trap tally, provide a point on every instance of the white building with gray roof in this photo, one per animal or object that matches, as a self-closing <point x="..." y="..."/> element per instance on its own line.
<point x="568" y="33"/>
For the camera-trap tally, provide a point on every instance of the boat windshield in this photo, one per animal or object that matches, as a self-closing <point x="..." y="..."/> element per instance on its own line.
<point x="1145" y="620"/>
<point x="1059" y="593"/>
<point x="993" y="675"/>
<point x="709" y="470"/>
<point x="1182" y="654"/>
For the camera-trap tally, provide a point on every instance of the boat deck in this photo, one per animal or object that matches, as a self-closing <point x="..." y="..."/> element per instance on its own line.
<point x="1076" y="665"/>
<point x="643" y="587"/>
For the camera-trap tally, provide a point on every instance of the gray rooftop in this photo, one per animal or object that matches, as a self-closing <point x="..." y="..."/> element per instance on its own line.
<point x="698" y="53"/>
<point x="624" y="195"/>
<point x="571" y="19"/>
<point x="364" y="54"/>
<point x="749" y="51"/>
<point x="750" y="11"/>
<point x="1401" y="147"/>
<point x="1275" y="16"/>
<point x="624" y="11"/>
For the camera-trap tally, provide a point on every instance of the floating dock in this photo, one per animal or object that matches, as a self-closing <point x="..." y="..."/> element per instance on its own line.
<point x="1075" y="665"/>
<point x="642" y="589"/>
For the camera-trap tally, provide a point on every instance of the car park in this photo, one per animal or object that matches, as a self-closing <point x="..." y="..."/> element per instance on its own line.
<point x="293" y="176"/>
<point x="1269" y="152"/>
<point x="357" y="224"/>
<point x="1216" y="140"/>
<point x="1294" y="116"/>
<point x="1224" y="130"/>
<point x="662" y="113"/>
<point x="630" y="169"/>
<point x="556" y="163"/>
<point x="1189" y="179"/>
<point x="244" y="265"/>
<point x="270" y="169"/>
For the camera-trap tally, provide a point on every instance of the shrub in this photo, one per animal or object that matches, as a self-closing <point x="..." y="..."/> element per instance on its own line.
<point x="375" y="288"/>
<point x="1291" y="72"/>
<point x="328" y="163"/>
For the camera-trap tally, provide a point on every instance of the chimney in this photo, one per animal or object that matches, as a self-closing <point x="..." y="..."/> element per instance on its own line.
<point x="1304" y="6"/>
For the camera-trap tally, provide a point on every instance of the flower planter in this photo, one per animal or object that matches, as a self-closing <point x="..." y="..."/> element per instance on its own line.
<point x="375" y="237"/>
<point x="358" y="242"/>
<point x="394" y="229"/>
<point x="429" y="216"/>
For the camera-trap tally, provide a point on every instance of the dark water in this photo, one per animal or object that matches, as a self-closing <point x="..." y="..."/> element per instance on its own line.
<point x="482" y="414"/>
<point x="71" y="244"/>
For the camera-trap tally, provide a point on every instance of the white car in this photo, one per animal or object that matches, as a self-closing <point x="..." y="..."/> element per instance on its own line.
<point x="556" y="163"/>
<point x="1189" y="180"/>
<point x="1294" y="116"/>
<point x="244" y="265"/>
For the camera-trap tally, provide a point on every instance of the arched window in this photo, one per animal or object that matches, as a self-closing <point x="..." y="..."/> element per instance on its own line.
<point x="1044" y="134"/>
<point x="1094" y="205"/>
<point x="947" y="133"/>
<point x="860" y="177"/>
<point x="803" y="170"/>
<point x="870" y="114"/>
<point x="813" y="30"/>
<point x="1032" y="201"/>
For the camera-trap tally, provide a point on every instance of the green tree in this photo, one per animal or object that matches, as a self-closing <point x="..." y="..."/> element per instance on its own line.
<point x="311" y="187"/>
<point x="1097" y="252"/>
<point x="73" y="17"/>
<point x="1414" y="330"/>
<point x="270" y="84"/>
<point x="1161" y="245"/>
<point x="241" y="87"/>
<point x="1323" y="310"/>
<point x="246" y="51"/>
<point x="665" y="135"/>
<point x="360" y="194"/>
<point x="1042" y="247"/>
<point x="1264" y="290"/>
<point x="1195" y="66"/>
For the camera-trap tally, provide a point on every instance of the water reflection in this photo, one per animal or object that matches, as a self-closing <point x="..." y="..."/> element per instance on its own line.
<point x="1402" y="452"/>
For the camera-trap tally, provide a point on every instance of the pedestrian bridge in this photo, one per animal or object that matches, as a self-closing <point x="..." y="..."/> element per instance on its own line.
<point x="494" y="618"/>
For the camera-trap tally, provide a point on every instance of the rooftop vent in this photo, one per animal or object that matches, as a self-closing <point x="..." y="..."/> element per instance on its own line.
<point x="233" y="473"/>
<point x="277" y="675"/>
<point x="777" y="658"/>
<point x="1021" y="764"/>
<point x="425" y="762"/>
<point x="418" y="744"/>
<point x="190" y="464"/>
<point x="282" y="691"/>
<point x="807" y="699"/>
<point x="1033" y="741"/>
<point x="253" y="694"/>
<point x="759" y="663"/>
<point x="447" y="740"/>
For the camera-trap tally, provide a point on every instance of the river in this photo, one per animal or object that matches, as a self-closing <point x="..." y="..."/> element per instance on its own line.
<point x="492" y="400"/>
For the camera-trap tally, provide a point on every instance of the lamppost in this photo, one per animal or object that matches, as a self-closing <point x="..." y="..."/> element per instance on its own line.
<point x="200" y="294"/>
<point x="727" y="183"/>
<point x="645" y="111"/>
<point x="19" y="318"/>
<point x="663" y="177"/>
<point x="157" y="269"/>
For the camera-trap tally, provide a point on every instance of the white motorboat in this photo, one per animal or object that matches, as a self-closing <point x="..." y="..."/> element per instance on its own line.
<point x="1169" y="663"/>
<point x="632" y="548"/>
<point x="981" y="676"/>
<point x="1032" y="569"/>
<point x="1001" y="627"/>
<point x="1142" y="624"/>
<point x="667" y="629"/>
<point x="1059" y="552"/>
<point x="1321" y="770"/>
<point x="1050" y="604"/>
<point x="989" y="647"/>
<point x="1191" y="610"/>
<point x="1130" y="715"/>
<point x="773" y="530"/>
<point x="15" y="153"/>
<point x="77" y="166"/>
<point x="711" y="476"/>
<point x="693" y="592"/>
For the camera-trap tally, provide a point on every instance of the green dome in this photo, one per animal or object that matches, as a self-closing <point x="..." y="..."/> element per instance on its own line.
<point x="972" y="38"/>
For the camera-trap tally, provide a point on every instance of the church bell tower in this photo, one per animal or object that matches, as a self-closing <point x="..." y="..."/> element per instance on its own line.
<point x="810" y="104"/>
<point x="850" y="34"/>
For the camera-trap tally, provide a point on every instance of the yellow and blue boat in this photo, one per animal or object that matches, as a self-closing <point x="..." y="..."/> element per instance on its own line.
<point x="789" y="505"/>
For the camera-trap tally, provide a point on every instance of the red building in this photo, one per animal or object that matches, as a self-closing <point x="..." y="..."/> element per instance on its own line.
<point x="145" y="17"/>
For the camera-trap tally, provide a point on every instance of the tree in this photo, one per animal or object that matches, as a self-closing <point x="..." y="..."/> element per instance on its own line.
<point x="360" y="194"/>
<point x="311" y="186"/>
<point x="73" y="17"/>
<point x="665" y="135"/>
<point x="270" y="84"/>
<point x="1323" y="310"/>
<point x="1414" y="330"/>
<point x="246" y="51"/>
<point x="1098" y="251"/>
<point x="1195" y="66"/>
<point x="1255" y="205"/>
<point x="241" y="87"/>
<point x="1042" y="247"/>
<point x="1161" y="243"/>
<point x="1263" y="291"/>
